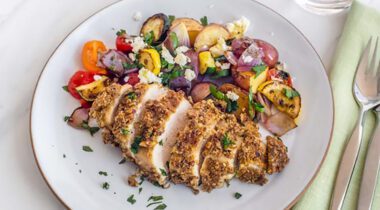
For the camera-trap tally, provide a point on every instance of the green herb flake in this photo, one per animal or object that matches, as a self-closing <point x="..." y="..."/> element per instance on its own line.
<point x="87" y="149"/>
<point x="121" y="32"/>
<point x="216" y="93"/>
<point x="122" y="161"/>
<point x="124" y="131"/>
<point x="155" y="198"/>
<point x="232" y="106"/>
<point x="136" y="144"/>
<point x="132" y="95"/>
<point x="161" y="143"/>
<point x="149" y="37"/>
<point x="129" y="65"/>
<point x="106" y="186"/>
<point x="221" y="73"/>
<point x="64" y="155"/>
<point x="221" y="58"/>
<point x="237" y="195"/>
<point x="163" y="172"/>
<point x="153" y="203"/>
<point x="92" y="130"/>
<point x="204" y="21"/>
<point x="160" y="207"/>
<point x="141" y="180"/>
<point x="259" y="69"/>
<point x="226" y="142"/>
<point x="140" y="189"/>
<point x="290" y="93"/>
<point x="171" y="19"/>
<point x="65" y="88"/>
<point x="103" y="173"/>
<point x="131" y="200"/>
<point x="210" y="70"/>
<point x="174" y="39"/>
<point x="66" y="118"/>
<point x="259" y="107"/>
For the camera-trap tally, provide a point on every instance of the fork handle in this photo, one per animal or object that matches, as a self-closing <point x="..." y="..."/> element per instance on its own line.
<point x="347" y="165"/>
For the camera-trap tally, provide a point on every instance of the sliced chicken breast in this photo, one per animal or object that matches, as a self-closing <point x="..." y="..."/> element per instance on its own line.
<point x="277" y="155"/>
<point x="160" y="122"/>
<point x="129" y="113"/>
<point x="219" y="154"/>
<point x="185" y="156"/>
<point x="104" y="107"/>
<point x="251" y="157"/>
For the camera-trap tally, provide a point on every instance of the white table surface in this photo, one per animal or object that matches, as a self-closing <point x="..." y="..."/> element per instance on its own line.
<point x="30" y="30"/>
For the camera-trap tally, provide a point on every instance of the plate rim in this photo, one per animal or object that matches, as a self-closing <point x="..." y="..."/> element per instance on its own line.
<point x="288" y="206"/>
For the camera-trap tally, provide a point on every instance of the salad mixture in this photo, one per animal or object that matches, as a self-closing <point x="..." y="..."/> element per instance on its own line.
<point x="208" y="76"/>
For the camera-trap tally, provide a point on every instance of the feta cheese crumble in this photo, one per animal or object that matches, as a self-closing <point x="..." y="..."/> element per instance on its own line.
<point x="237" y="28"/>
<point x="97" y="77"/>
<point x="189" y="75"/>
<point x="126" y="78"/>
<point x="219" y="48"/>
<point x="138" y="44"/>
<point x="147" y="76"/>
<point x="225" y="66"/>
<point x="166" y="55"/>
<point x="181" y="59"/>
<point x="181" y="49"/>
<point x="232" y="96"/>
<point x="137" y="16"/>
<point x="132" y="56"/>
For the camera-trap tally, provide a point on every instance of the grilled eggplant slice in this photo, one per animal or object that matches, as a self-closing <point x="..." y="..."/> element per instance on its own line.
<point x="158" y="24"/>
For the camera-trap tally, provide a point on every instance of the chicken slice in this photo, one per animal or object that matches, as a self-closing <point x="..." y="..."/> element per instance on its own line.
<point x="185" y="156"/>
<point x="251" y="157"/>
<point x="277" y="155"/>
<point x="129" y="113"/>
<point x="104" y="107"/>
<point x="219" y="154"/>
<point x="160" y="122"/>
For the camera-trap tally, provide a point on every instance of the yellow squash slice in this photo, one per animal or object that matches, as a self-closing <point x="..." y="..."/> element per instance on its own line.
<point x="90" y="91"/>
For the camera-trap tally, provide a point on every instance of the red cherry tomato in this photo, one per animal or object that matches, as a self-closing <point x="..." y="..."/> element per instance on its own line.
<point x="133" y="78"/>
<point x="274" y="74"/>
<point x="79" y="78"/>
<point x="122" y="44"/>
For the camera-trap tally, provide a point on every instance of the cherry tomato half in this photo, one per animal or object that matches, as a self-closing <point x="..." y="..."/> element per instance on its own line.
<point x="79" y="78"/>
<point x="280" y="75"/>
<point x="122" y="44"/>
<point x="133" y="78"/>
<point x="90" y="56"/>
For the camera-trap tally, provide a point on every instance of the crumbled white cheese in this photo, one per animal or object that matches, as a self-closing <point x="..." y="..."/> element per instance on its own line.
<point x="147" y="76"/>
<point x="247" y="59"/>
<point x="97" y="77"/>
<point x="239" y="27"/>
<point x="219" y="48"/>
<point x="225" y="66"/>
<point x="137" y="16"/>
<point x="166" y="55"/>
<point x="190" y="75"/>
<point x="138" y="44"/>
<point x="181" y="59"/>
<point x="232" y="96"/>
<point x="181" y="49"/>
<point x="126" y="78"/>
<point x="132" y="56"/>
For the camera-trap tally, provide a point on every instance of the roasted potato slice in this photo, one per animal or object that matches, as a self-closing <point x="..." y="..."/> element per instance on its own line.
<point x="243" y="97"/>
<point x="90" y="91"/>
<point x="159" y="25"/>
<point x="193" y="27"/>
<point x="209" y="36"/>
<point x="286" y="99"/>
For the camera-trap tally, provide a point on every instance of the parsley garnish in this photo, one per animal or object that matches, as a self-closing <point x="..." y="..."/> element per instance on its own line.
<point x="237" y="195"/>
<point x="141" y="180"/>
<point x="124" y="131"/>
<point x="131" y="199"/>
<point x="65" y="88"/>
<point x="221" y="58"/>
<point x="231" y="106"/>
<point x="149" y="37"/>
<point x="87" y="149"/>
<point x="226" y="142"/>
<point x="66" y="118"/>
<point x="161" y="143"/>
<point x="129" y="65"/>
<point x="92" y="130"/>
<point x="259" y="107"/>
<point x="103" y="173"/>
<point x="106" y="186"/>
<point x="122" y="161"/>
<point x="216" y="93"/>
<point x="136" y="144"/>
<point x="174" y="39"/>
<point x="210" y="70"/>
<point x="221" y="73"/>
<point x="204" y="21"/>
<point x="155" y="198"/>
<point x="121" y="32"/>
<point x="140" y="189"/>
<point x="160" y="207"/>
<point x="132" y="95"/>
<point x="64" y="155"/>
<point x="171" y="19"/>
<point x="259" y="69"/>
<point x="153" y="203"/>
<point x="163" y="172"/>
<point x="290" y="93"/>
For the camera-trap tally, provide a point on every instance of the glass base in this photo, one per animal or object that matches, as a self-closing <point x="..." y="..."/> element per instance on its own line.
<point x="325" y="7"/>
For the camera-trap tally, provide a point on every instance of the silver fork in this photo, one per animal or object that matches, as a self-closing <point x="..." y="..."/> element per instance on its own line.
<point x="365" y="94"/>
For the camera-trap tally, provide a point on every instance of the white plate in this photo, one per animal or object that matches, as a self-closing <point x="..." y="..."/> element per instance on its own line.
<point x="52" y="138"/>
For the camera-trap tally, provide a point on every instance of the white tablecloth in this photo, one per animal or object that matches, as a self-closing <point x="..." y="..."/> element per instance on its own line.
<point x="30" y="30"/>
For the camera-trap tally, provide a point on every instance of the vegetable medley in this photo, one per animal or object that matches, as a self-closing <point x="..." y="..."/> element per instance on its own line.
<point x="199" y="58"/>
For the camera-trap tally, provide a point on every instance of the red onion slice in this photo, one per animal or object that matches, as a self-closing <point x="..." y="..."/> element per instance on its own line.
<point x="79" y="116"/>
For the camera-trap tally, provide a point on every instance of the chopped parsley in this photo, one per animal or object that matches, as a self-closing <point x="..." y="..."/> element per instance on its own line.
<point x="171" y="19"/>
<point x="167" y="77"/>
<point x="87" y="149"/>
<point x="204" y="21"/>
<point x="259" y="69"/>
<point x="124" y="131"/>
<point x="160" y="207"/>
<point x="221" y="58"/>
<point x="149" y="37"/>
<point x="65" y="88"/>
<point x="106" y="186"/>
<point x="129" y="65"/>
<point x="226" y="142"/>
<point x="174" y="39"/>
<point x="92" y="130"/>
<point x="121" y="32"/>
<point x="221" y="73"/>
<point x="163" y="172"/>
<point x="132" y="95"/>
<point x="155" y="198"/>
<point x="136" y="144"/>
<point x="210" y="70"/>
<point x="66" y="118"/>
<point x="141" y="180"/>
<point x="131" y="200"/>
<point x="153" y="203"/>
<point x="64" y="155"/>
<point x="259" y="107"/>
<point x="122" y="161"/>
<point x="231" y="106"/>
<point x="216" y="93"/>
<point x="290" y="93"/>
<point x="161" y="143"/>
<point x="140" y="189"/>
<point x="103" y="173"/>
<point x="237" y="195"/>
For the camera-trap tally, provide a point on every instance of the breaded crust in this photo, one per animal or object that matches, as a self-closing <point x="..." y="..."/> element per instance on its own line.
<point x="277" y="155"/>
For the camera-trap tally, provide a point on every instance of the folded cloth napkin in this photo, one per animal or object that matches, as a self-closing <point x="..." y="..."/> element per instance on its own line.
<point x="362" y="23"/>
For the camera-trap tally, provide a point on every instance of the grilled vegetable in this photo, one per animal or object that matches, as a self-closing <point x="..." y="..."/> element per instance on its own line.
<point x="193" y="27"/>
<point x="246" y="79"/>
<point x="200" y="91"/>
<point x="90" y="91"/>
<point x="182" y="34"/>
<point x="259" y="78"/>
<point x="270" y="56"/>
<point x="209" y="36"/>
<point x="243" y="97"/>
<point x="159" y="25"/>
<point x="206" y="61"/>
<point x="90" y="54"/>
<point x="286" y="99"/>
<point x="150" y="59"/>
<point x="279" y="123"/>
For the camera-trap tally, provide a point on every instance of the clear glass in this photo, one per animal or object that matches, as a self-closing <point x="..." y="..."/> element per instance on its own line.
<point x="325" y="7"/>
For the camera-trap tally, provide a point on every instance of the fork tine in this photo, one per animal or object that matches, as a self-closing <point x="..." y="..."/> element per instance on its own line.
<point x="364" y="58"/>
<point x="371" y="71"/>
